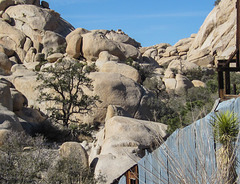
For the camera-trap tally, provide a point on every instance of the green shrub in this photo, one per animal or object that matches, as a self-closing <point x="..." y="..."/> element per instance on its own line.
<point x="21" y="159"/>
<point x="225" y="129"/>
<point x="26" y="159"/>
<point x="70" y="171"/>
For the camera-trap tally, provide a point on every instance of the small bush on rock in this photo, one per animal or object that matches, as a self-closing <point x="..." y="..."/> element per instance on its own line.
<point x="217" y="2"/>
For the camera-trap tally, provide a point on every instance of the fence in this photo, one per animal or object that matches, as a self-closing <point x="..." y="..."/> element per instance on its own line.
<point x="187" y="156"/>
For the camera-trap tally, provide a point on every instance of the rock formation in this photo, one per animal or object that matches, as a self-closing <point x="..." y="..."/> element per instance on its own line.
<point x="33" y="37"/>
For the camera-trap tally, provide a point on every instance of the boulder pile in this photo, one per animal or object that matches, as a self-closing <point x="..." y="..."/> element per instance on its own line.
<point x="33" y="37"/>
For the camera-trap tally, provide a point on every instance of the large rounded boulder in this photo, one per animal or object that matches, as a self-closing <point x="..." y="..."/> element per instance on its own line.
<point x="32" y="19"/>
<point x="118" y="90"/>
<point x="121" y="144"/>
<point x="96" y="42"/>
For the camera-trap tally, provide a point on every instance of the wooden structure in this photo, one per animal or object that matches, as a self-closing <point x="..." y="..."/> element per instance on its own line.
<point x="132" y="175"/>
<point x="225" y="67"/>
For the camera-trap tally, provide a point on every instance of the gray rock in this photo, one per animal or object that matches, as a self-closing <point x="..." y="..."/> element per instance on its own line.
<point x="18" y="100"/>
<point x="74" y="150"/>
<point x="39" y="57"/>
<point x="54" y="57"/>
<point x="5" y="100"/>
<point x="5" y="64"/>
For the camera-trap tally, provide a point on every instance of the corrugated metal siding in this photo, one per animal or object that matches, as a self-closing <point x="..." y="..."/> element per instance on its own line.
<point x="188" y="155"/>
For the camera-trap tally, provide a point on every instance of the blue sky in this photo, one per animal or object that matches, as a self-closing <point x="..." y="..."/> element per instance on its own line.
<point x="148" y="22"/>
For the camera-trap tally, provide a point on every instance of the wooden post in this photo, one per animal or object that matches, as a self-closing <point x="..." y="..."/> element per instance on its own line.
<point x="238" y="33"/>
<point x="132" y="175"/>
<point x="234" y="89"/>
<point x="220" y="84"/>
<point x="227" y="81"/>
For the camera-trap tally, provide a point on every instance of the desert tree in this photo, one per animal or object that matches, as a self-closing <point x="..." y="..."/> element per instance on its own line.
<point x="63" y="87"/>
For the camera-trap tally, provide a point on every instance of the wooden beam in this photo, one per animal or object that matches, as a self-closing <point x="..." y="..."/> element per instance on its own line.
<point x="228" y="69"/>
<point x="238" y="32"/>
<point x="227" y="82"/>
<point x="132" y="175"/>
<point x="220" y="84"/>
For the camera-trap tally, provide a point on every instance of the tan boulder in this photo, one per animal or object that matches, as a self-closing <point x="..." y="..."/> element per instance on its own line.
<point x="34" y="20"/>
<point x="183" y="83"/>
<point x="169" y="73"/>
<point x="28" y="44"/>
<point x="78" y="31"/>
<point x="5" y="64"/>
<point x="184" y="48"/>
<point x="74" y="150"/>
<point x="74" y="44"/>
<point x="104" y="56"/>
<point x="153" y="52"/>
<point x="53" y="43"/>
<point x="217" y="33"/>
<point x="130" y="51"/>
<point x="182" y="65"/>
<point x="5" y="100"/>
<point x="170" y="84"/>
<point x="8" y="120"/>
<point x="96" y="42"/>
<point x="3" y="135"/>
<point x="18" y="100"/>
<point x="183" y="55"/>
<point x="123" y="69"/>
<point x="31" y="66"/>
<point x="170" y="51"/>
<point x="198" y="83"/>
<point x="8" y="52"/>
<point x="114" y="110"/>
<point x="25" y="81"/>
<point x="164" y="61"/>
<point x="121" y="144"/>
<point x="184" y="42"/>
<point x="32" y="119"/>
<point x="198" y="54"/>
<point x="122" y="38"/>
<point x="204" y="61"/>
<point x="118" y="90"/>
<point x="54" y="57"/>
<point x="11" y="37"/>
<point x="39" y="57"/>
<point x="30" y="56"/>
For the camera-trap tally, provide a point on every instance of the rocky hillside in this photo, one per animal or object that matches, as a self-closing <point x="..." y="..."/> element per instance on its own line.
<point x="34" y="37"/>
